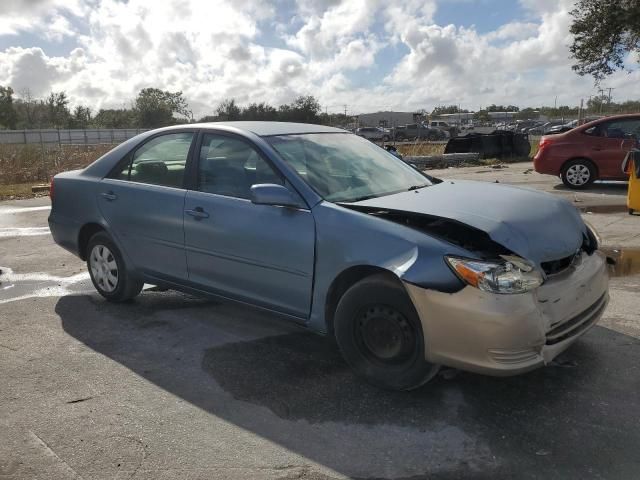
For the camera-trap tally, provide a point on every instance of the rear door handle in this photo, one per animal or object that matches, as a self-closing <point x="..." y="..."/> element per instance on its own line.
<point x="197" y="213"/>
<point x="597" y="149"/>
<point x="109" y="196"/>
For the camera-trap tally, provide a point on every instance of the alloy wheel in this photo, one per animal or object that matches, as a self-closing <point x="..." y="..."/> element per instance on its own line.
<point x="578" y="174"/>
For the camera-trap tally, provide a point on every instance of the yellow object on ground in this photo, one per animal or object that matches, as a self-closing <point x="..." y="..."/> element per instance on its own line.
<point x="632" y="166"/>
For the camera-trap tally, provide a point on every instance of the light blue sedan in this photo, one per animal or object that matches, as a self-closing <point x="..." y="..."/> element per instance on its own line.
<point x="408" y="272"/>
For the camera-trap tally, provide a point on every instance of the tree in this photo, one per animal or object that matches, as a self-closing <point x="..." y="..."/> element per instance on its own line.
<point x="482" y="116"/>
<point x="228" y="110"/>
<point x="303" y="109"/>
<point x="526" y="114"/>
<point x="57" y="109"/>
<point x="447" y="109"/>
<point x="259" y="111"/>
<point x="502" y="108"/>
<point x="115" y="118"/>
<point x="155" y="108"/>
<point x="604" y="32"/>
<point x="8" y="115"/>
<point x="80" y="118"/>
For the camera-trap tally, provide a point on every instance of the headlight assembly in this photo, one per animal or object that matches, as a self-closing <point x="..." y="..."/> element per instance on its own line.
<point x="513" y="275"/>
<point x="594" y="232"/>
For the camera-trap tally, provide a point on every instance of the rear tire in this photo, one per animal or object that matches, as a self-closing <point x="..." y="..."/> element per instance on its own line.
<point x="578" y="174"/>
<point x="379" y="334"/>
<point x="108" y="270"/>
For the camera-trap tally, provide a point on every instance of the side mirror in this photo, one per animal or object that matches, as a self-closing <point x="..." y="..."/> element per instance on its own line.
<point x="272" y="194"/>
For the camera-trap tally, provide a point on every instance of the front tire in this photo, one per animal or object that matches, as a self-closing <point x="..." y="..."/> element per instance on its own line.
<point x="578" y="174"/>
<point x="379" y="334"/>
<point x="108" y="271"/>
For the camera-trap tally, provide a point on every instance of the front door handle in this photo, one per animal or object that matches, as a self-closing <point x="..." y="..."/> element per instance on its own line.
<point x="109" y="196"/>
<point x="197" y="213"/>
<point x="597" y="149"/>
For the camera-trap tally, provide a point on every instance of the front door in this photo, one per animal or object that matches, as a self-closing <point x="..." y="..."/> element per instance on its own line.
<point x="260" y="254"/>
<point x="143" y="204"/>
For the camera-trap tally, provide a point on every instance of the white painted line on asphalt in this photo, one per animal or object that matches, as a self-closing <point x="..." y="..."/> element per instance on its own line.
<point x="60" y="286"/>
<point x="23" y="231"/>
<point x="12" y="210"/>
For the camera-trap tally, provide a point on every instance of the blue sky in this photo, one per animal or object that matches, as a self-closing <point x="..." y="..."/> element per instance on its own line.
<point x="369" y="54"/>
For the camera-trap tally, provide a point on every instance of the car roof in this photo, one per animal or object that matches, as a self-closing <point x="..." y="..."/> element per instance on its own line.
<point x="265" y="129"/>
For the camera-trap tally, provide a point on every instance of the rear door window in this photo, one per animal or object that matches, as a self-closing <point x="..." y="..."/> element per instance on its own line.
<point x="159" y="161"/>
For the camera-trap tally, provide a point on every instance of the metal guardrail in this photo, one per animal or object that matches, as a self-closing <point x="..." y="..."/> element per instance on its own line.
<point x="94" y="136"/>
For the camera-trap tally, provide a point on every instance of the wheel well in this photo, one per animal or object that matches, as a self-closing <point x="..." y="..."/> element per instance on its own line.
<point x="86" y="232"/>
<point x="342" y="283"/>
<point x="585" y="159"/>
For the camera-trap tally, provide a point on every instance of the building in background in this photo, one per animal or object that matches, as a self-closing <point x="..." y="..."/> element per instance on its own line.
<point x="389" y="119"/>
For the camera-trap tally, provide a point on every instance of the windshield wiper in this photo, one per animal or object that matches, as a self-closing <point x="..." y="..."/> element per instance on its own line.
<point x="416" y="187"/>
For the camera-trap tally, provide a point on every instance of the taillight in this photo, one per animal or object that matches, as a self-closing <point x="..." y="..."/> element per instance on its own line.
<point x="544" y="142"/>
<point x="51" y="189"/>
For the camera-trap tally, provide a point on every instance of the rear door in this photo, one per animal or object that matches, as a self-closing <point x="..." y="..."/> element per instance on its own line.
<point x="610" y="141"/>
<point x="142" y="201"/>
<point x="261" y="254"/>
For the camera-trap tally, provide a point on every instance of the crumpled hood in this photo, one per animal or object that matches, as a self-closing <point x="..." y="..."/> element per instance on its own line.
<point x="535" y="225"/>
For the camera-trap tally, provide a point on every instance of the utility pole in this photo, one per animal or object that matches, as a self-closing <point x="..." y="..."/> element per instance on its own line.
<point x="580" y="112"/>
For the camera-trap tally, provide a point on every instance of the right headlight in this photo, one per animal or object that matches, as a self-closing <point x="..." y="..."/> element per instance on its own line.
<point x="504" y="277"/>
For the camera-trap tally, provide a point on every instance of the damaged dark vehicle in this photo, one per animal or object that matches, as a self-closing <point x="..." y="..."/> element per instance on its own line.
<point x="406" y="271"/>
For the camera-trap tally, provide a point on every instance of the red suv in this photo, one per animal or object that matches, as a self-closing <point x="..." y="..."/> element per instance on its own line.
<point x="593" y="151"/>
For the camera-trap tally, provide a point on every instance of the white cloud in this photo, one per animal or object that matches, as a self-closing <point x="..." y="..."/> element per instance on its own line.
<point x="254" y="50"/>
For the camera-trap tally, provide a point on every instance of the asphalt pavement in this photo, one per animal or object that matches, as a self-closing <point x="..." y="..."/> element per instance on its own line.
<point x="171" y="386"/>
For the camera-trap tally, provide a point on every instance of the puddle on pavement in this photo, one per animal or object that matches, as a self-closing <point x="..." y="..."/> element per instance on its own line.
<point x="627" y="261"/>
<point x="21" y="286"/>
<point x="603" y="209"/>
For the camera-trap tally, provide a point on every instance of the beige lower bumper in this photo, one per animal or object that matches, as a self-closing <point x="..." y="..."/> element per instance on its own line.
<point x="510" y="334"/>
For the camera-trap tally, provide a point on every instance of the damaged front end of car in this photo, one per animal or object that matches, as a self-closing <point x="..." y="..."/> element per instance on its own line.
<point x="508" y="314"/>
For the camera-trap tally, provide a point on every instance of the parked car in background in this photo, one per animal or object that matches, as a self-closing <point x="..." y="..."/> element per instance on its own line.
<point x="522" y="126"/>
<point x="417" y="131"/>
<point x="593" y="151"/>
<point x="544" y="128"/>
<point x="564" y="127"/>
<point x="332" y="232"/>
<point x="373" y="133"/>
<point x="450" y="130"/>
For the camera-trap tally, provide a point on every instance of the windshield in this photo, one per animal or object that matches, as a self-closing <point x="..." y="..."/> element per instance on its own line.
<point x="346" y="168"/>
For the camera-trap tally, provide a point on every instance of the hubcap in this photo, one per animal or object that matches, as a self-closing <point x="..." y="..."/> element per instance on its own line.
<point x="385" y="334"/>
<point x="578" y="174"/>
<point x="104" y="268"/>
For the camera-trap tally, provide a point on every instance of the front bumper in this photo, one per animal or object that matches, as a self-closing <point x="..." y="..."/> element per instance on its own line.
<point x="510" y="334"/>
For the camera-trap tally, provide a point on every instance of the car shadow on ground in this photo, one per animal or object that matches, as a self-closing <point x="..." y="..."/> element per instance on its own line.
<point x="579" y="417"/>
<point x="607" y="188"/>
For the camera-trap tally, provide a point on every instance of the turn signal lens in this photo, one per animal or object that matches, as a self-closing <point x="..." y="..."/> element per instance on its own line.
<point x="497" y="277"/>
